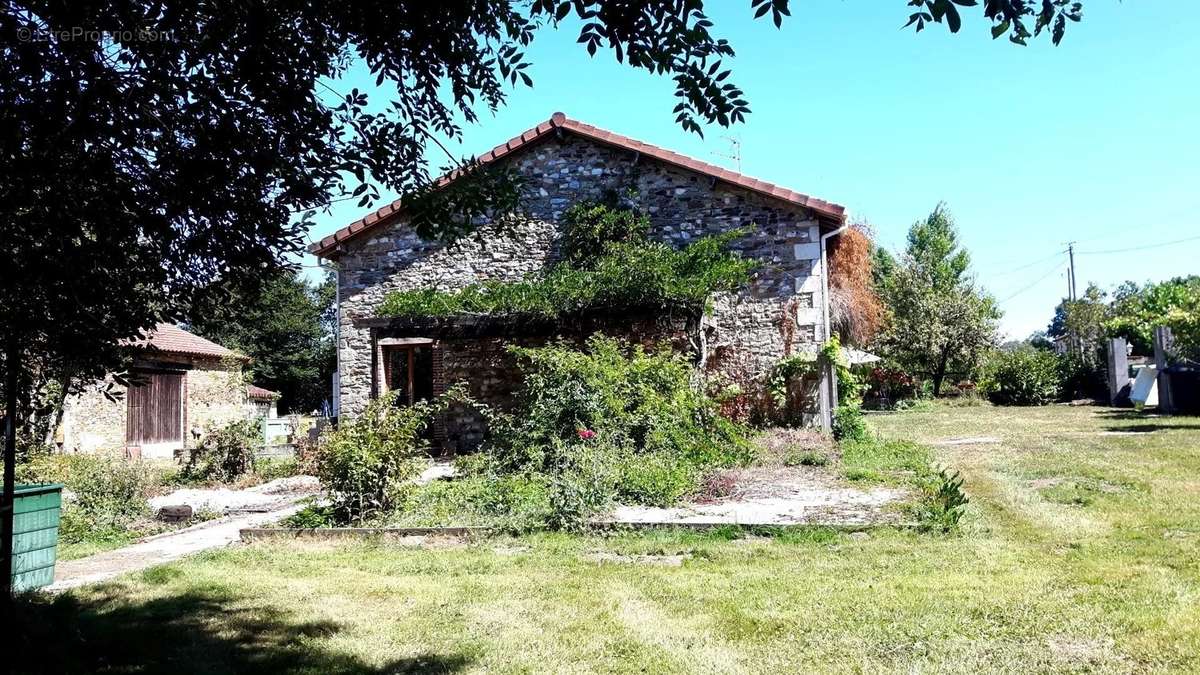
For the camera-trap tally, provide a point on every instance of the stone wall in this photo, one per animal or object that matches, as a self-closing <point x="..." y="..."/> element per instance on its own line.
<point x="92" y="423"/>
<point x="215" y="394"/>
<point x="777" y="313"/>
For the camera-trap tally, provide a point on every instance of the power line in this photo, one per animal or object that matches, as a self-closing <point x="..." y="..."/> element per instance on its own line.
<point x="1139" y="248"/>
<point x="1028" y="265"/>
<point x="1034" y="283"/>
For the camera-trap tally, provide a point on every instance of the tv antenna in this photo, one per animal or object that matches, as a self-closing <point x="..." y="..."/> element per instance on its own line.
<point x="735" y="151"/>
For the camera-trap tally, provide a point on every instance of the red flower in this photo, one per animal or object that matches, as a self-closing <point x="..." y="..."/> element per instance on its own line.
<point x="585" y="434"/>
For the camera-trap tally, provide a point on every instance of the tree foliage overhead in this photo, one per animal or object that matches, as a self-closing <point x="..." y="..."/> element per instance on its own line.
<point x="155" y="152"/>
<point x="123" y="117"/>
<point x="1175" y="303"/>
<point x="939" y="321"/>
<point x="1008" y="17"/>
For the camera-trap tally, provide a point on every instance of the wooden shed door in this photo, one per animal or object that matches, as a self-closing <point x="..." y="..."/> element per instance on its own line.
<point x="155" y="409"/>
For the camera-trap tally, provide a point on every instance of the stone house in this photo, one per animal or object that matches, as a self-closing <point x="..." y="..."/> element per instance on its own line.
<point x="562" y="162"/>
<point x="181" y="385"/>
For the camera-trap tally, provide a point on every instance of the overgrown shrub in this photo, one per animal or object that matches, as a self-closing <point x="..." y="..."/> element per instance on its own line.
<point x="944" y="502"/>
<point x="225" y="453"/>
<point x="106" y="494"/>
<point x="369" y="461"/>
<point x="588" y="226"/>
<point x="658" y="479"/>
<point x="1083" y="374"/>
<point x="311" y="516"/>
<point x="608" y="265"/>
<point x="516" y="503"/>
<point x="269" y="469"/>
<point x="604" y="424"/>
<point x="623" y="276"/>
<point x="789" y="383"/>
<point x="1023" y="376"/>
<point x="849" y="424"/>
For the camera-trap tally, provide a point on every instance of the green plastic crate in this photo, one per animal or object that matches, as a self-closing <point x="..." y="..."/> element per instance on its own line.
<point x="36" y="510"/>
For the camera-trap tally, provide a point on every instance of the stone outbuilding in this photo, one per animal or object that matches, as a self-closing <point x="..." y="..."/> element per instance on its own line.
<point x="562" y="162"/>
<point x="262" y="402"/>
<point x="181" y="385"/>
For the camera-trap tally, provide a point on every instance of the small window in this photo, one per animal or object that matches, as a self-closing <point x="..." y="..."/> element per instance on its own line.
<point x="408" y="369"/>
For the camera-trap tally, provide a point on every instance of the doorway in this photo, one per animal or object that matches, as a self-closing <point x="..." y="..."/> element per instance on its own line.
<point x="155" y="409"/>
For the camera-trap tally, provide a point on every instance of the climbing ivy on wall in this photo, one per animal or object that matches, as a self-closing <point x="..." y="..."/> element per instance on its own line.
<point x="609" y="264"/>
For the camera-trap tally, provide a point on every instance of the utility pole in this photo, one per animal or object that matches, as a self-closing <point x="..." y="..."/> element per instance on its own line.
<point x="1071" y="255"/>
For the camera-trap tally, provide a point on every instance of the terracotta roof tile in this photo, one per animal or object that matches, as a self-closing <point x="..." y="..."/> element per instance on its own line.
<point x="259" y="393"/>
<point x="828" y="211"/>
<point x="172" y="339"/>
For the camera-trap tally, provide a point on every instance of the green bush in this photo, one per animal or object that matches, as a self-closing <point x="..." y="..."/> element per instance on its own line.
<point x="608" y="423"/>
<point x="658" y="479"/>
<point x="225" y="453"/>
<point x="107" y="494"/>
<point x="1083" y="375"/>
<point x="849" y="424"/>
<point x="369" y="461"/>
<point x="516" y="503"/>
<point x="311" y="517"/>
<point x="588" y="226"/>
<point x="1023" y="376"/>
<point x="944" y="502"/>
<point x="269" y="469"/>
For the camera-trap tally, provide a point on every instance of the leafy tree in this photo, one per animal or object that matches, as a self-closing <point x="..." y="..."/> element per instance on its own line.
<point x="152" y="149"/>
<point x="1082" y="323"/>
<point x="1039" y="340"/>
<point x="283" y="328"/>
<point x="1082" y="319"/>
<point x="940" y="322"/>
<point x="883" y="265"/>
<point x="1136" y="310"/>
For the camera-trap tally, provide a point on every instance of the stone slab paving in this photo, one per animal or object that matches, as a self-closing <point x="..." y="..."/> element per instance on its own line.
<point x="167" y="547"/>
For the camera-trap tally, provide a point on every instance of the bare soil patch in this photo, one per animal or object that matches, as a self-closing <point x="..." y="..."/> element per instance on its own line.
<point x="776" y="495"/>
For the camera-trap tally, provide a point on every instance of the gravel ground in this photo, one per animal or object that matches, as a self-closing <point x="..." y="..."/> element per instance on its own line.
<point x="223" y="500"/>
<point x="780" y="496"/>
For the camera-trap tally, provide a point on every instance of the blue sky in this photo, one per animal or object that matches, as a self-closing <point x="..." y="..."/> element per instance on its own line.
<point x="1095" y="141"/>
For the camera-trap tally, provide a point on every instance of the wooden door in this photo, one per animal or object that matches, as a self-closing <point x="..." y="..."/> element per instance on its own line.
<point x="155" y="412"/>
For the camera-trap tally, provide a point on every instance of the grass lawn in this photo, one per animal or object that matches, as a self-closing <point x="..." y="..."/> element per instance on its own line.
<point x="1080" y="552"/>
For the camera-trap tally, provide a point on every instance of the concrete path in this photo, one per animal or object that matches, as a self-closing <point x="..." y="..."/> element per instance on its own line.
<point x="166" y="547"/>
